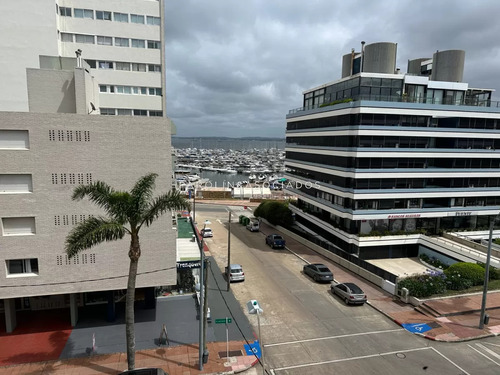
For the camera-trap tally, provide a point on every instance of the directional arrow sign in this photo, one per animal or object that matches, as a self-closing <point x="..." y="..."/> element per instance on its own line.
<point x="223" y="321"/>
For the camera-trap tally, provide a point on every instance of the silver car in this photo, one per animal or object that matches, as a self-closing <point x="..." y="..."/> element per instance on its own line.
<point x="236" y="273"/>
<point x="349" y="292"/>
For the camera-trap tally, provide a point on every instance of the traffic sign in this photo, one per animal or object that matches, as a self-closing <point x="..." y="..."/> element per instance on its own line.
<point x="223" y="321"/>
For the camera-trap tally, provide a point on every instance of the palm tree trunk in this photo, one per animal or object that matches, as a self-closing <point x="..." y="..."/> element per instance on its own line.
<point x="134" y="254"/>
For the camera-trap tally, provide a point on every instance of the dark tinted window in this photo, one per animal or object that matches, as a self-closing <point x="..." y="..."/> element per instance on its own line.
<point x="355" y="289"/>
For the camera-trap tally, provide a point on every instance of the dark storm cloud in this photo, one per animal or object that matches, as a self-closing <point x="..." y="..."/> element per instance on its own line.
<point x="235" y="68"/>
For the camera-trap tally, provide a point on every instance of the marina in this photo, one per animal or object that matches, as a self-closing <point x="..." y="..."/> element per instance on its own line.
<point x="229" y="169"/>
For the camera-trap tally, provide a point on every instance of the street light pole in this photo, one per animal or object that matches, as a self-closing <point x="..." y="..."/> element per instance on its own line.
<point x="229" y="253"/>
<point x="486" y="276"/>
<point x="205" y="311"/>
<point x="202" y="317"/>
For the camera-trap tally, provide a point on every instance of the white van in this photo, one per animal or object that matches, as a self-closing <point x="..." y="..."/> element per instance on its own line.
<point x="253" y="225"/>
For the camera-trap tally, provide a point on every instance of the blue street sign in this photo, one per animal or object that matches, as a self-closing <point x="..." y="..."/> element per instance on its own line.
<point x="253" y="349"/>
<point x="417" y="327"/>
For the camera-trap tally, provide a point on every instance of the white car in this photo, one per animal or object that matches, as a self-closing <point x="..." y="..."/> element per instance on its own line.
<point x="207" y="232"/>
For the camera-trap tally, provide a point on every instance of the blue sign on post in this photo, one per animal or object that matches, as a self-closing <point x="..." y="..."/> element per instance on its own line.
<point x="253" y="349"/>
<point x="417" y="327"/>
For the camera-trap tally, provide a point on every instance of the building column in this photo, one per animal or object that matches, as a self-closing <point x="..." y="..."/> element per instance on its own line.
<point x="73" y="308"/>
<point x="10" y="314"/>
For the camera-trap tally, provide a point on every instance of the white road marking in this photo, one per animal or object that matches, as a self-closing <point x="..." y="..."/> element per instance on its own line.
<point x="334" y="337"/>
<point x="348" y="359"/>
<point x="219" y="221"/>
<point x="488" y="351"/>
<point x="449" y="360"/>
<point x="489" y="343"/>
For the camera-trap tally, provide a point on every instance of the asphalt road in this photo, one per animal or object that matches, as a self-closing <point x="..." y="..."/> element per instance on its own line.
<point x="305" y="329"/>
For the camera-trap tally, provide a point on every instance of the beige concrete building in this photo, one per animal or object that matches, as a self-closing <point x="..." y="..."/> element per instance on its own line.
<point x="53" y="139"/>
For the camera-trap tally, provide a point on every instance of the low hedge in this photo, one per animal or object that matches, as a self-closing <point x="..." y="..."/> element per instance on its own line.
<point x="422" y="286"/>
<point x="469" y="271"/>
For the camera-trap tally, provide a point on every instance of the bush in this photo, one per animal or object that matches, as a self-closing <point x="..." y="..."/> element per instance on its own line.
<point x="468" y="271"/>
<point x="455" y="281"/>
<point x="424" y="285"/>
<point x="494" y="272"/>
<point x="433" y="261"/>
<point x="277" y="213"/>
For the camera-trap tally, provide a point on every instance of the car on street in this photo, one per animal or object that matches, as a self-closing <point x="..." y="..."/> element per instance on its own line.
<point x="318" y="272"/>
<point x="349" y="292"/>
<point x="275" y="241"/>
<point x="207" y="232"/>
<point x="144" y="371"/>
<point x="235" y="273"/>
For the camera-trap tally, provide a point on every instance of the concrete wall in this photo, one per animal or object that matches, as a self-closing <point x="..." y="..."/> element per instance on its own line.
<point x="51" y="91"/>
<point x="117" y="150"/>
<point x="28" y="29"/>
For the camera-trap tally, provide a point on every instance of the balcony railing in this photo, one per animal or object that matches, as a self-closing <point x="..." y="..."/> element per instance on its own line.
<point x="404" y="99"/>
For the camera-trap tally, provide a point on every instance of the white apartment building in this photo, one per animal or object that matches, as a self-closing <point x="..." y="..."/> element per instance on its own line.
<point x="52" y="139"/>
<point x="122" y="41"/>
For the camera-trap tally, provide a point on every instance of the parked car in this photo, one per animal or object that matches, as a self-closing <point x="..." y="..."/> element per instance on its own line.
<point x="318" y="272"/>
<point x="253" y="225"/>
<point x="275" y="241"/>
<point x="236" y="273"/>
<point x="207" y="232"/>
<point x="349" y="292"/>
<point x="144" y="371"/>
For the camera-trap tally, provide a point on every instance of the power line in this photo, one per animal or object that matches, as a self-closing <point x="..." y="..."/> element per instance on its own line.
<point x="86" y="281"/>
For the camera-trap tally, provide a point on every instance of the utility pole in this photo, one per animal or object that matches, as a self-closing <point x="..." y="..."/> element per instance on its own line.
<point x="486" y="276"/>
<point x="205" y="311"/>
<point x="201" y="312"/>
<point x="229" y="253"/>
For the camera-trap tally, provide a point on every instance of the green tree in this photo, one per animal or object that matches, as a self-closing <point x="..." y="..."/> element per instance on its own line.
<point x="126" y="213"/>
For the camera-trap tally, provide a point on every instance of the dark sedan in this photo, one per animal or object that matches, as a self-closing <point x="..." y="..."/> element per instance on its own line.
<point x="318" y="272"/>
<point x="350" y="293"/>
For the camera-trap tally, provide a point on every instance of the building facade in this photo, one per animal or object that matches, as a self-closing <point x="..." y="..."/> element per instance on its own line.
<point x="121" y="40"/>
<point x="379" y="154"/>
<point x="53" y="138"/>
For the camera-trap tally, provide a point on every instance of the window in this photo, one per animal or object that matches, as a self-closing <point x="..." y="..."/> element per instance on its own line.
<point x="120" y="17"/>
<point x="104" y="40"/>
<point x="122" y="66"/>
<point x="15" y="183"/>
<point x="155" y="91"/>
<point x="103" y="88"/>
<point x="136" y="67"/>
<point x="140" y="112"/>
<point x="153" y="44"/>
<point x="153" y="20"/>
<point x="105" y="65"/>
<point x="138" y="43"/>
<point x="124" y="89"/>
<point x="154" y="68"/>
<point x="22" y="266"/>
<point x="64" y="11"/>
<point x="124" y="112"/>
<point x="144" y="91"/>
<point x="106" y="112"/>
<point x="156" y="113"/>
<point x="18" y="226"/>
<point x="92" y="63"/>
<point x="88" y="39"/>
<point x="84" y="13"/>
<point x="122" y="42"/>
<point x="137" y="18"/>
<point x="65" y="37"/>
<point x="103" y="15"/>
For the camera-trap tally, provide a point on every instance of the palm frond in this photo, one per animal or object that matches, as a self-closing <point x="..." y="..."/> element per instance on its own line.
<point x="98" y="192"/>
<point x="92" y="232"/>
<point x="170" y="201"/>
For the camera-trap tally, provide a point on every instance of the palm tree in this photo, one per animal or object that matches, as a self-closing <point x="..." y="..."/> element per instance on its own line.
<point x="126" y="213"/>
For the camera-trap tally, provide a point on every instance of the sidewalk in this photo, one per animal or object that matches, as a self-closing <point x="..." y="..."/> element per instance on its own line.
<point x="178" y="360"/>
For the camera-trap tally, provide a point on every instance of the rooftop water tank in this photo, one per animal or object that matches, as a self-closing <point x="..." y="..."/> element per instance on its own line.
<point x="448" y="65"/>
<point x="380" y="58"/>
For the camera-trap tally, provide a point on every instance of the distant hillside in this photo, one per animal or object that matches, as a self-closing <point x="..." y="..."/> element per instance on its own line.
<point x="227" y="143"/>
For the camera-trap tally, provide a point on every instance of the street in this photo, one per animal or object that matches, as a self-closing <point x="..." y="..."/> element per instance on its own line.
<point x="307" y="329"/>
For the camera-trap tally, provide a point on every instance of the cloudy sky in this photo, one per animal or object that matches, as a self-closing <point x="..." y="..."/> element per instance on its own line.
<point x="236" y="67"/>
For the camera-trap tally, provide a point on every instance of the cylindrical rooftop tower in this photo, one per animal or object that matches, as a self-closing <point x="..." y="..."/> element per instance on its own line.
<point x="448" y="65"/>
<point x="380" y="58"/>
<point x="415" y="65"/>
